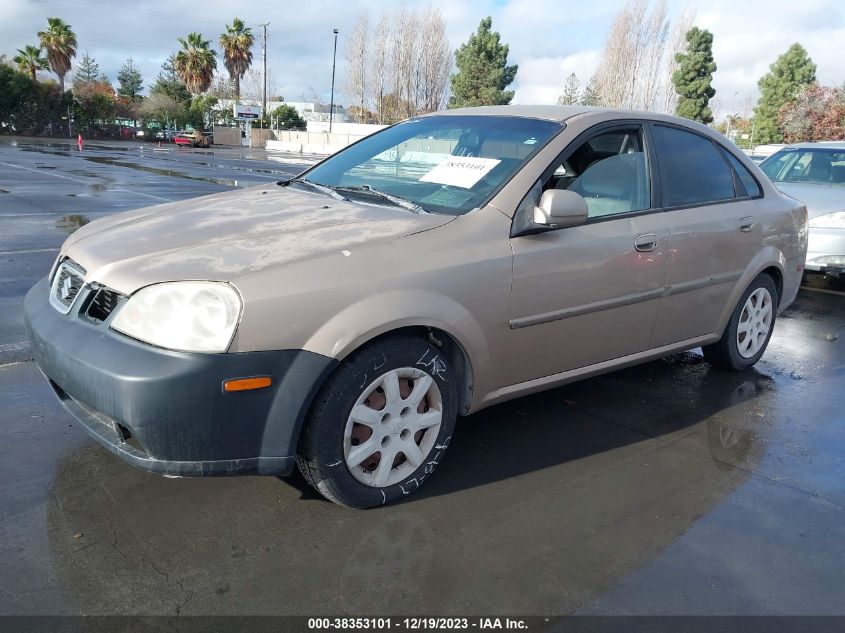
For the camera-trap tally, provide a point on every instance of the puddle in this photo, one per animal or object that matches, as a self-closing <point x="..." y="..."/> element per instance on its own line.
<point x="84" y="173"/>
<point x="70" y="223"/>
<point x="226" y="182"/>
<point x="252" y="170"/>
<point x="43" y="150"/>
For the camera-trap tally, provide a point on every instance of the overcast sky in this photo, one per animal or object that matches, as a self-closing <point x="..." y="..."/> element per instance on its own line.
<point x="547" y="38"/>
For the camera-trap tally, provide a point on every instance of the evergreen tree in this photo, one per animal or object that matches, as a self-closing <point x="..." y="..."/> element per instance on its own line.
<point x="168" y="83"/>
<point x="590" y="96"/>
<point x="130" y="80"/>
<point x="287" y="117"/>
<point x="694" y="76"/>
<point x="87" y="71"/>
<point x="786" y="77"/>
<point x="571" y="91"/>
<point x="483" y="71"/>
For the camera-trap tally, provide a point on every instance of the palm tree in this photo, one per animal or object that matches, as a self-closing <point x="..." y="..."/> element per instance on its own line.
<point x="60" y="43"/>
<point x="29" y="60"/>
<point x="195" y="63"/>
<point x="236" y="43"/>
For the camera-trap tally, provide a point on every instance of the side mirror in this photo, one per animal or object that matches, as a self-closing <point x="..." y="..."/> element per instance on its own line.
<point x="560" y="208"/>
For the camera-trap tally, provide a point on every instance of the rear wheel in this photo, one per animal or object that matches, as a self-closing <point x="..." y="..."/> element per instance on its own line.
<point x="381" y="423"/>
<point x="750" y="327"/>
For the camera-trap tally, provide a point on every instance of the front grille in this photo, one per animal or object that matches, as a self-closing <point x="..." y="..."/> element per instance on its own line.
<point x="67" y="282"/>
<point x="103" y="304"/>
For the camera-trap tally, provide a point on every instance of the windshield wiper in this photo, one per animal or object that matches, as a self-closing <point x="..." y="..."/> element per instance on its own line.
<point x="399" y="202"/>
<point x="329" y="191"/>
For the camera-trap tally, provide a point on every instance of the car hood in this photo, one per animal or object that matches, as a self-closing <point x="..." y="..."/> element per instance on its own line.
<point x="225" y="235"/>
<point x="819" y="199"/>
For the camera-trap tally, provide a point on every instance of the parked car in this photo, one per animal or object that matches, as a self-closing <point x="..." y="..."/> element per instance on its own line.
<point x="814" y="173"/>
<point x="194" y="138"/>
<point x="342" y="320"/>
<point x="762" y="152"/>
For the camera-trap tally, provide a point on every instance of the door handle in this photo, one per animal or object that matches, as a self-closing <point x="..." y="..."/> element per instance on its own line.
<point x="646" y="243"/>
<point x="746" y="224"/>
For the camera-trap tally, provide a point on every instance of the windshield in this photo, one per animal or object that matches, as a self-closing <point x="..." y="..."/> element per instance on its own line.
<point x="821" y="166"/>
<point x="439" y="164"/>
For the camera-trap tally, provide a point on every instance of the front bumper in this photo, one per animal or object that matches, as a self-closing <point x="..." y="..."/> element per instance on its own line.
<point x="166" y="411"/>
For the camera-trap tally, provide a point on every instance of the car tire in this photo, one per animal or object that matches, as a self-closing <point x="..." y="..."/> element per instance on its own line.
<point x="382" y="400"/>
<point x="749" y="329"/>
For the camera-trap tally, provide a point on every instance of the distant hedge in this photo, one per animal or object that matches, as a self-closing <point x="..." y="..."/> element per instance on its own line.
<point x="30" y="107"/>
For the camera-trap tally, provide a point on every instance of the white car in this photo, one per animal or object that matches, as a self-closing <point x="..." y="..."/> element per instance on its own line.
<point x="814" y="173"/>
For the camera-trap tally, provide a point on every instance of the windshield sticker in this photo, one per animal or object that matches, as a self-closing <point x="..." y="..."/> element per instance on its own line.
<point x="460" y="171"/>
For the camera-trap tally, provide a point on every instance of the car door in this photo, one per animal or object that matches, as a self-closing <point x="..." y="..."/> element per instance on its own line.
<point x="715" y="231"/>
<point x="587" y="294"/>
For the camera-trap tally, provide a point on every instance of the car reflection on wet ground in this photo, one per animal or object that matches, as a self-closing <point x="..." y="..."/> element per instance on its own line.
<point x="666" y="488"/>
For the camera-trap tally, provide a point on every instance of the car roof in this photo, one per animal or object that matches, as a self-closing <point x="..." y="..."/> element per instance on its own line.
<point x="548" y="112"/>
<point x="820" y="144"/>
<point x="560" y="113"/>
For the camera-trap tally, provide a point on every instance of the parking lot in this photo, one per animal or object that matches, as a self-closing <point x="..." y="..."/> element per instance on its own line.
<point x="669" y="488"/>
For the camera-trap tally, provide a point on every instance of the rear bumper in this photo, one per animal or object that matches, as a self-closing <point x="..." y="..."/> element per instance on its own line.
<point x="166" y="411"/>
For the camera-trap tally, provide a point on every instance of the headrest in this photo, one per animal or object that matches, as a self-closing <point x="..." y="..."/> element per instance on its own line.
<point x="614" y="177"/>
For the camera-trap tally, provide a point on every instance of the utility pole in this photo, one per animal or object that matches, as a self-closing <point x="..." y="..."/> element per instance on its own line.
<point x="264" y="74"/>
<point x="334" y="60"/>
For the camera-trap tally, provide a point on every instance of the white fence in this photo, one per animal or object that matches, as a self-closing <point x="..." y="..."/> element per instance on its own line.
<point x="314" y="142"/>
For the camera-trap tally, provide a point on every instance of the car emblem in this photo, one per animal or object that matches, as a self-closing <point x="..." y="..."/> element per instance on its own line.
<point x="66" y="288"/>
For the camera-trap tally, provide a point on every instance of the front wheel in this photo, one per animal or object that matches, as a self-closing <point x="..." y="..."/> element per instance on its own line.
<point x="381" y="423"/>
<point x="749" y="329"/>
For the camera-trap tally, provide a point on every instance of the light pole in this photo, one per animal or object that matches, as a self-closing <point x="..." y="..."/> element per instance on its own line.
<point x="730" y="110"/>
<point x="334" y="60"/>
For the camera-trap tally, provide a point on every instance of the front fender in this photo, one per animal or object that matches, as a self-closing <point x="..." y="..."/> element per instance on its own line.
<point x="379" y="314"/>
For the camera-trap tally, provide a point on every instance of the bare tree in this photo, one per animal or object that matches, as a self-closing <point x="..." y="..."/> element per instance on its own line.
<point x="357" y="64"/>
<point x="380" y="53"/>
<point x="629" y="70"/>
<point x="434" y="61"/>
<point x="222" y="87"/>
<point x="677" y="44"/>
<point x="404" y="67"/>
<point x="408" y="64"/>
<point x="252" y="87"/>
<point x="655" y="33"/>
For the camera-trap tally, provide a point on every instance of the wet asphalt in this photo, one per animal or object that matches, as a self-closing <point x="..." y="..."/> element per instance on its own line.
<point x="669" y="488"/>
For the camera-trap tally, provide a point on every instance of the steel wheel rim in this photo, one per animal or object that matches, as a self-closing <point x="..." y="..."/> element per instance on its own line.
<point x="392" y="427"/>
<point x="755" y="322"/>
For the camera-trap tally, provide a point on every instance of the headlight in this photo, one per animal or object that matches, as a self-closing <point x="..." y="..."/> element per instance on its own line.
<point x="830" y="260"/>
<point x="835" y="220"/>
<point x="190" y="316"/>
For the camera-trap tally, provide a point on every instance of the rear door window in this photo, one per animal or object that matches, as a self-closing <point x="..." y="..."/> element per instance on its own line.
<point x="745" y="177"/>
<point x="692" y="169"/>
